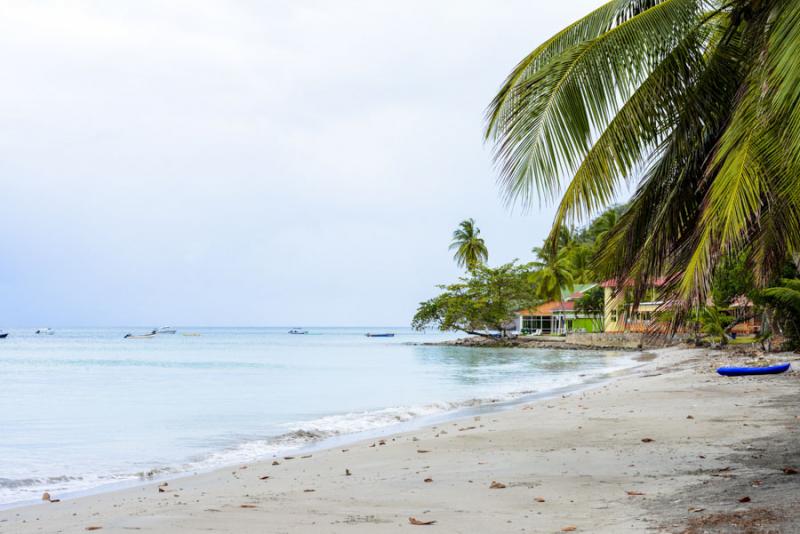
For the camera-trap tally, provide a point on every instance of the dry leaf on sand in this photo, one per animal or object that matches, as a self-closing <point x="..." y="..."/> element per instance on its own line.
<point x="415" y="521"/>
<point x="633" y="493"/>
<point x="247" y="506"/>
<point x="428" y="480"/>
<point x="647" y="440"/>
<point x="570" y="528"/>
<point x="422" y="451"/>
<point x="538" y="499"/>
<point x="496" y="485"/>
<point x="744" y="499"/>
<point x="265" y="477"/>
<point x="790" y="471"/>
<point x="93" y="527"/>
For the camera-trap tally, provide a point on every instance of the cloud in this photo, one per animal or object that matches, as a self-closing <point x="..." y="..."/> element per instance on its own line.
<point x="250" y="162"/>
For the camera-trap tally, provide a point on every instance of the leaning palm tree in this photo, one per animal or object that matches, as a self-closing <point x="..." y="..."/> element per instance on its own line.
<point x="695" y="101"/>
<point x="469" y="246"/>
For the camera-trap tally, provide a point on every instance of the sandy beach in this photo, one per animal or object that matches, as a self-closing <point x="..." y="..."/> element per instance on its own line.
<point x="669" y="447"/>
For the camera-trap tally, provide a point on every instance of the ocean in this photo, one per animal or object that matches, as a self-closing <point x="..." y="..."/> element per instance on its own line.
<point x="84" y="409"/>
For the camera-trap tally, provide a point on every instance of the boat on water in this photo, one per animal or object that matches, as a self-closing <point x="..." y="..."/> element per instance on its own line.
<point x="141" y="336"/>
<point x="45" y="331"/>
<point x="386" y="334"/>
<point x="3" y="335"/>
<point x="298" y="331"/>
<point x="166" y="330"/>
<point x="750" y="371"/>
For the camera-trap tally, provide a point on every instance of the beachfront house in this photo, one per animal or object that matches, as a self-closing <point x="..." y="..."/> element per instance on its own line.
<point x="560" y="316"/>
<point x="621" y="316"/>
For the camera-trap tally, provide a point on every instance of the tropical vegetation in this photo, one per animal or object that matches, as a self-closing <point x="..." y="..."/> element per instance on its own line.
<point x="697" y="104"/>
<point x="483" y="301"/>
<point x="470" y="247"/>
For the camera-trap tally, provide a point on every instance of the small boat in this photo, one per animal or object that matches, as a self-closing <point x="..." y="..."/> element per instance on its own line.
<point x="166" y="330"/>
<point x="3" y="335"/>
<point x="45" y="331"/>
<point x="298" y="331"/>
<point x="748" y="371"/>
<point x="141" y="336"/>
<point x="380" y="335"/>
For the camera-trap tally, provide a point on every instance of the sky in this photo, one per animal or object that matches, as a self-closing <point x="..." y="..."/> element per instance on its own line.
<point x="251" y="163"/>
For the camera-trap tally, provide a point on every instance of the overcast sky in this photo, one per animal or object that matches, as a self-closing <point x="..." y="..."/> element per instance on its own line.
<point x="251" y="163"/>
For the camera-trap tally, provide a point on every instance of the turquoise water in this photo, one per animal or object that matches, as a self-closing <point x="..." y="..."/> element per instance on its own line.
<point x="84" y="407"/>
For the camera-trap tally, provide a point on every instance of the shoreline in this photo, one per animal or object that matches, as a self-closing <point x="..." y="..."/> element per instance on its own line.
<point x="459" y="409"/>
<point x="579" y="452"/>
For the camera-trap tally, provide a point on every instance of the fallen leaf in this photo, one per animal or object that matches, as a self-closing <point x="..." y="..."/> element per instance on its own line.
<point x="570" y="528"/>
<point x="422" y="451"/>
<point x="93" y="527"/>
<point x="308" y="491"/>
<point x="744" y="499"/>
<point x="275" y="462"/>
<point x="265" y="477"/>
<point x="647" y="440"/>
<point x="538" y="499"/>
<point x="288" y="457"/>
<point x="689" y="417"/>
<point x="696" y="509"/>
<point x="790" y="471"/>
<point x="415" y="521"/>
<point x="247" y="506"/>
<point x="428" y="480"/>
<point x="347" y="472"/>
<point x="161" y="490"/>
<point x="496" y="485"/>
<point x="634" y="493"/>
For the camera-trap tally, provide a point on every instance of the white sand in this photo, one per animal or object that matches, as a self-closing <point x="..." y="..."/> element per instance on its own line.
<point x="580" y="453"/>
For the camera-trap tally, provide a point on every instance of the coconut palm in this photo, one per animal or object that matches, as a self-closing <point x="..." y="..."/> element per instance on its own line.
<point x="697" y="101"/>
<point x="553" y="272"/>
<point x="469" y="246"/>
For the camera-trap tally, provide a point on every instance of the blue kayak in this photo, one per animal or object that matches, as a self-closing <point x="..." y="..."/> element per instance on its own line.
<point x="746" y="371"/>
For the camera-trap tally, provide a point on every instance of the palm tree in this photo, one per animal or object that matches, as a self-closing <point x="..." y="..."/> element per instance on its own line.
<point x="469" y="246"/>
<point x="697" y="100"/>
<point x="552" y="273"/>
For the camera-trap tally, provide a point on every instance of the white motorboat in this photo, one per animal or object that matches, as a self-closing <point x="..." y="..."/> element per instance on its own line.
<point x="166" y="330"/>
<point x="45" y="331"/>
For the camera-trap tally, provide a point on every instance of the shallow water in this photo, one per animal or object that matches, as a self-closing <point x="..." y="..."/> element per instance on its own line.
<point x="85" y="407"/>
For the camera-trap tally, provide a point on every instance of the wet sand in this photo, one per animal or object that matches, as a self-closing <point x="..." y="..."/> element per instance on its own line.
<point x="671" y="447"/>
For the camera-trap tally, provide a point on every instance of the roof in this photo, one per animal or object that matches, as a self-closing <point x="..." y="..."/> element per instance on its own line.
<point x="569" y="297"/>
<point x="658" y="282"/>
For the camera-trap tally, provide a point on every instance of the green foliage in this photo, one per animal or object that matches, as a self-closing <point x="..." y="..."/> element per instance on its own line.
<point x="553" y="272"/>
<point x="470" y="248"/>
<point x="699" y="101"/>
<point x="713" y="322"/>
<point x="486" y="299"/>
<point x="783" y="302"/>
<point x="732" y="278"/>
<point x="592" y="304"/>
